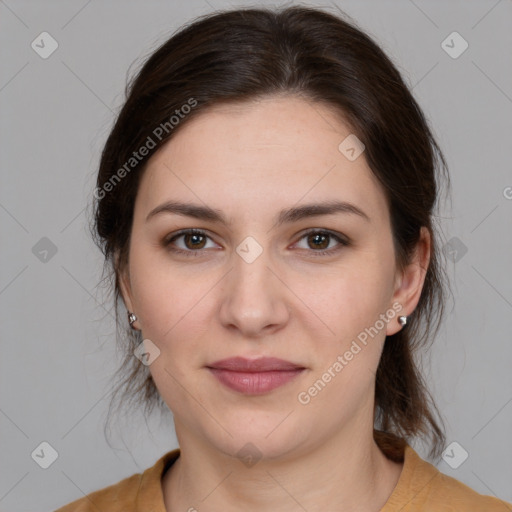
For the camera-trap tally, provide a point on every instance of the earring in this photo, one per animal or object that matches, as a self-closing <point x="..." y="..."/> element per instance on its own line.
<point x="131" y="319"/>
<point x="402" y="320"/>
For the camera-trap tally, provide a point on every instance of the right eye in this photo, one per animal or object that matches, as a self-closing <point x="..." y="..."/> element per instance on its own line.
<point x="193" y="239"/>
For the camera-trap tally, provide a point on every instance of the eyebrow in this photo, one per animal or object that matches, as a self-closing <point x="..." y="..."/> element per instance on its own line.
<point x="288" y="215"/>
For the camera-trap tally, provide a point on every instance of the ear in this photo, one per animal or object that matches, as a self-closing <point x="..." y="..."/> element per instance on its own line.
<point x="409" y="283"/>
<point x="124" y="284"/>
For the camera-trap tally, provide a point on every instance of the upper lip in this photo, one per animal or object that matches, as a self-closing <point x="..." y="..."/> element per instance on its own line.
<point x="261" y="364"/>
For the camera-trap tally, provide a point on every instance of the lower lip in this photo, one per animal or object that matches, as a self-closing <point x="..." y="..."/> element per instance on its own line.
<point x="254" y="383"/>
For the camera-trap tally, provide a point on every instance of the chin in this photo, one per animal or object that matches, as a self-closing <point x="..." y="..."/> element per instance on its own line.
<point x="264" y="436"/>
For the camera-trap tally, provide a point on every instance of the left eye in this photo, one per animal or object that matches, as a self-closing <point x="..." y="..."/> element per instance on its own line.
<point x="319" y="240"/>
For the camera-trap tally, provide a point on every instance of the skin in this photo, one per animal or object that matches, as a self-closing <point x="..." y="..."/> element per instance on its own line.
<point x="250" y="161"/>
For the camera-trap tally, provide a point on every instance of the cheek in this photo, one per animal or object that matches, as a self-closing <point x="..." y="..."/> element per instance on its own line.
<point x="350" y="304"/>
<point x="171" y="311"/>
<point x="161" y="296"/>
<point x="348" y="299"/>
<point x="175" y="311"/>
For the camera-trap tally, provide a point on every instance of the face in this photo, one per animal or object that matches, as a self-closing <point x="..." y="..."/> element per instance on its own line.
<point x="268" y="278"/>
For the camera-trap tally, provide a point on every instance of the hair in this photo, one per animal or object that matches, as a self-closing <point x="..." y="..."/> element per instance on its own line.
<point x="246" y="54"/>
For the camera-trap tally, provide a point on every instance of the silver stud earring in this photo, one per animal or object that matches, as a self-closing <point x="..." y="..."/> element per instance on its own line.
<point x="402" y="320"/>
<point x="131" y="319"/>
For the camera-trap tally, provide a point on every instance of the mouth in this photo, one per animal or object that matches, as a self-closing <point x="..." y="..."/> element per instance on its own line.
<point x="254" y="376"/>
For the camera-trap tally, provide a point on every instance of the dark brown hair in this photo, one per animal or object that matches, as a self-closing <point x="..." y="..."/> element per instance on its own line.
<point x="245" y="54"/>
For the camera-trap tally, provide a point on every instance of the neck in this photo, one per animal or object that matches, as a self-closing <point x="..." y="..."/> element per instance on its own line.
<point x="348" y="471"/>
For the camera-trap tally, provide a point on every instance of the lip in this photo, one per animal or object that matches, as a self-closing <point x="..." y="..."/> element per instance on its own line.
<point x="254" y="376"/>
<point x="261" y="364"/>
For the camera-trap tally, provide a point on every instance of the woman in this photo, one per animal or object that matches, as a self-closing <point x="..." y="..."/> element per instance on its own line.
<point x="265" y="202"/>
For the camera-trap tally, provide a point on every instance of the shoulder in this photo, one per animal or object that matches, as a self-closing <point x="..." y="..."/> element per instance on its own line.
<point x="422" y="487"/>
<point x="455" y="495"/>
<point x="127" y="495"/>
<point x="113" y="498"/>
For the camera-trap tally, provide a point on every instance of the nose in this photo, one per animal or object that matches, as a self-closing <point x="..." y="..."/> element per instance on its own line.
<point x="254" y="300"/>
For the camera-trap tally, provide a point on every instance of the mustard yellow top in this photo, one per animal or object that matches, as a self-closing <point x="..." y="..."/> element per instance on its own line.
<point x="421" y="487"/>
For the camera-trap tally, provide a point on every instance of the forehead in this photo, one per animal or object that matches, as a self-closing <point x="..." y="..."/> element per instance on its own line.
<point x="259" y="156"/>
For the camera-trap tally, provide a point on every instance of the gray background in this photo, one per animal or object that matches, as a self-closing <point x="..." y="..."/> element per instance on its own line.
<point x="58" y="350"/>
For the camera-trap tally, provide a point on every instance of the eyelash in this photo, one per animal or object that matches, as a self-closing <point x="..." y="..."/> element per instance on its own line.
<point x="194" y="253"/>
